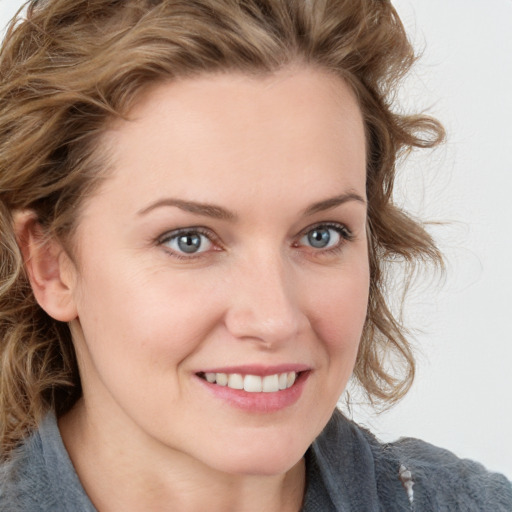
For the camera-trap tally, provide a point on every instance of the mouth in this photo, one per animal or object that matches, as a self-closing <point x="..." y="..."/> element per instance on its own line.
<point x="257" y="389"/>
<point x="254" y="383"/>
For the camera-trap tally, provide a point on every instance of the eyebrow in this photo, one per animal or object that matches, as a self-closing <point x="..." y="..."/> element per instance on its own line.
<point x="332" y="202"/>
<point x="217" y="212"/>
<point x="205" y="209"/>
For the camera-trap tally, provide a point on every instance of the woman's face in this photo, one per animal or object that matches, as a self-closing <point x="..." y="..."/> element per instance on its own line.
<point x="227" y="249"/>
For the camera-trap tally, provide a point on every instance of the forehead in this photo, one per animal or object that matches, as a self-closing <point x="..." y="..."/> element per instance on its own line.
<point x="295" y="128"/>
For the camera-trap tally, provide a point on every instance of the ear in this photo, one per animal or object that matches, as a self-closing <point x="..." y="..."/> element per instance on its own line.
<point x="50" y="270"/>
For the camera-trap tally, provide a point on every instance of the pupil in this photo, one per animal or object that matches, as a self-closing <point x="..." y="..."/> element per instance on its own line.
<point x="319" y="238"/>
<point x="189" y="242"/>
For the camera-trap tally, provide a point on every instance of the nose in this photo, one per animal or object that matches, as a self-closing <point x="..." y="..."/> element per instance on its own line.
<point x="264" y="303"/>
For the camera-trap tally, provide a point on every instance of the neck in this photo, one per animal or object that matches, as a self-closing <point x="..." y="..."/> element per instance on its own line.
<point x="118" y="475"/>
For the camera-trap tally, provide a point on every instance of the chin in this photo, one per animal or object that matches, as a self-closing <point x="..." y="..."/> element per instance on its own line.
<point x="260" y="455"/>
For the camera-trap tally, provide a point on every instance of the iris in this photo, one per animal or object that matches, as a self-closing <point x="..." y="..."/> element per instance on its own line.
<point x="189" y="242"/>
<point x="319" y="237"/>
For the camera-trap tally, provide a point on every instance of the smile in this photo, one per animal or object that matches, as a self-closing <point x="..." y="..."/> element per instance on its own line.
<point x="256" y="389"/>
<point x="253" y="383"/>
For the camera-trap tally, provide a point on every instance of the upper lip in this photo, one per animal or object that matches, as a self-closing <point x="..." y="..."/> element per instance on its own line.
<point x="261" y="370"/>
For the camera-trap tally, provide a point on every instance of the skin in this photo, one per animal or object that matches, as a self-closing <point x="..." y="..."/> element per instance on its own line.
<point x="146" y="318"/>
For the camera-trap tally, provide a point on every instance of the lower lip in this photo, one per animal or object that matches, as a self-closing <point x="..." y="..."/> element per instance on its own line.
<point x="259" y="402"/>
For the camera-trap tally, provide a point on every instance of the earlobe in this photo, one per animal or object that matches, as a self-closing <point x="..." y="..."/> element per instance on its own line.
<point x="49" y="268"/>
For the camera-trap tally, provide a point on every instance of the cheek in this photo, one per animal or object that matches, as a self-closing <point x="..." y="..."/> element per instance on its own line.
<point x="144" y="315"/>
<point x="339" y="322"/>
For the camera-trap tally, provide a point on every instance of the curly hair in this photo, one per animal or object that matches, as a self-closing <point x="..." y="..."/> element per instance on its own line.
<point x="68" y="68"/>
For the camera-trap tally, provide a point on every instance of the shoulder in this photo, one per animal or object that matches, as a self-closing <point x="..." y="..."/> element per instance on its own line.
<point x="405" y="475"/>
<point x="23" y="478"/>
<point x="39" y="476"/>
<point x="439" y="480"/>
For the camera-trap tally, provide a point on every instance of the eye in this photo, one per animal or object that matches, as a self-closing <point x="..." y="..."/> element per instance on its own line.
<point x="325" y="236"/>
<point x="188" y="241"/>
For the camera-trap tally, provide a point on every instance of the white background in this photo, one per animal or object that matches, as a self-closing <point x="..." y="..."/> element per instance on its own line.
<point x="461" y="399"/>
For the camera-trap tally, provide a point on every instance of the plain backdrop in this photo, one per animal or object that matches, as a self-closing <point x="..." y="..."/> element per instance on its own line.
<point x="461" y="398"/>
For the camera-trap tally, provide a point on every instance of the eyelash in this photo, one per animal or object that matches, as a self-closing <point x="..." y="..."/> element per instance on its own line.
<point x="187" y="231"/>
<point x="345" y="236"/>
<point x="343" y="231"/>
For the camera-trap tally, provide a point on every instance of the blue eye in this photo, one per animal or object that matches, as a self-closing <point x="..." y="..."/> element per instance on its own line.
<point x="188" y="242"/>
<point x="325" y="237"/>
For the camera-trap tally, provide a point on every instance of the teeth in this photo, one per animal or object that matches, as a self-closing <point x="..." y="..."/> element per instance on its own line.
<point x="253" y="383"/>
<point x="235" y="381"/>
<point x="270" y="383"/>
<point x="221" y="379"/>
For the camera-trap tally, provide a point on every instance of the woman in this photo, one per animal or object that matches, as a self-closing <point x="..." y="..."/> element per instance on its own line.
<point x="196" y="215"/>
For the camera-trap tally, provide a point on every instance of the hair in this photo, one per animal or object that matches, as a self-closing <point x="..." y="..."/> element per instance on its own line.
<point x="68" y="68"/>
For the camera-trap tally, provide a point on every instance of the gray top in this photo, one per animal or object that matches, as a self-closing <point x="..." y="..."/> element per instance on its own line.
<point x="347" y="470"/>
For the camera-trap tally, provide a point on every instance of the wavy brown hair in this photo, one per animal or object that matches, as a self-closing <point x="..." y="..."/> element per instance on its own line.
<point x="69" y="67"/>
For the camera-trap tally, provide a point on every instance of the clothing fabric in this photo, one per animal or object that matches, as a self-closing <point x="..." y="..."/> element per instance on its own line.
<point x="348" y="470"/>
